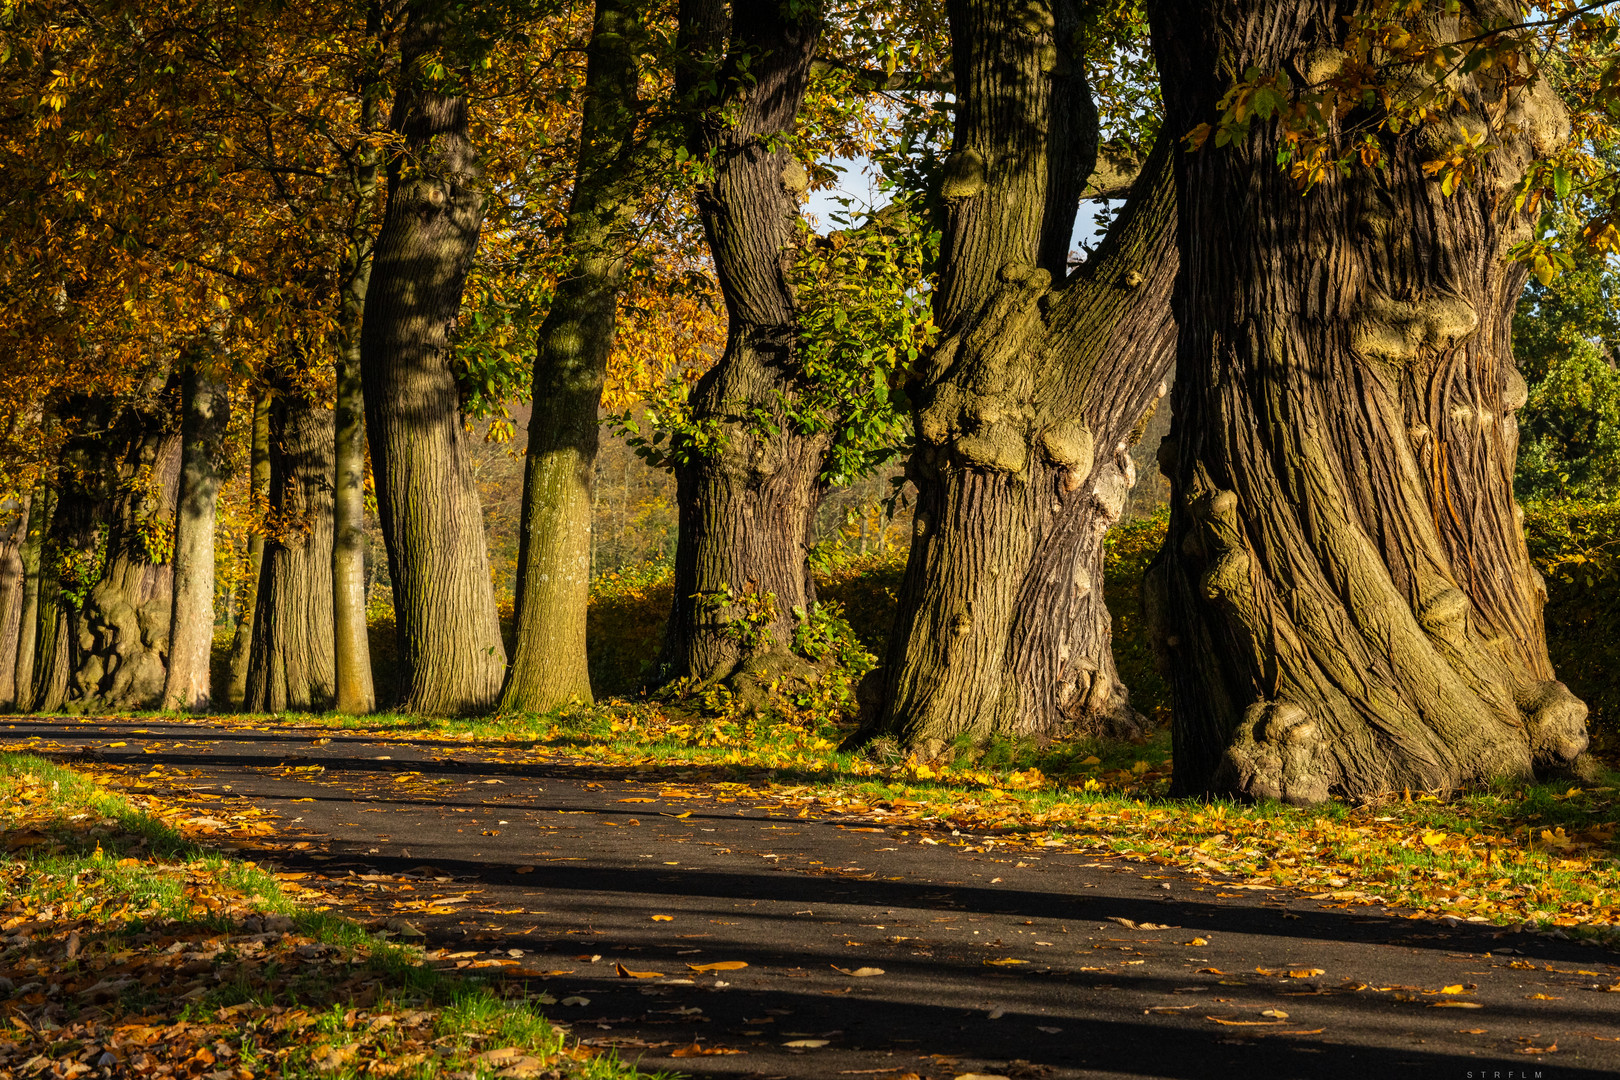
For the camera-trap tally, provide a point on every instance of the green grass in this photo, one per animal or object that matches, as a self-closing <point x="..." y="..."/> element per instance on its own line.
<point x="125" y="892"/>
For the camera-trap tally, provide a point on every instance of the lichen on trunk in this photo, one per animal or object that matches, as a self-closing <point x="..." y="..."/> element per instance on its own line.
<point x="1345" y="601"/>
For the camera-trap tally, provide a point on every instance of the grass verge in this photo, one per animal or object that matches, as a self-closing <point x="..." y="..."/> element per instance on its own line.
<point x="130" y="950"/>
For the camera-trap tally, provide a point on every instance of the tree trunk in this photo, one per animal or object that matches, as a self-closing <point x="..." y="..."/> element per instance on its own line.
<point x="41" y="506"/>
<point x="291" y="668"/>
<point x="205" y="413"/>
<point x="571" y="354"/>
<point x="110" y="545"/>
<point x="748" y="498"/>
<point x="1025" y="410"/>
<point x="356" y="692"/>
<point x="259" y="494"/>
<point x="13" y="537"/>
<point x="1345" y="596"/>
<point x="451" y="658"/>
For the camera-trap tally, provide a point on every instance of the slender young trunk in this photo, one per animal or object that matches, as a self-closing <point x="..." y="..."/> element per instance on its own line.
<point x="1025" y="411"/>
<point x="1345" y="598"/>
<point x="247" y="605"/>
<point x="291" y="667"/>
<point x="41" y="505"/>
<point x="451" y="658"/>
<point x="748" y="500"/>
<point x="356" y="693"/>
<point x="13" y="538"/>
<point x="205" y="414"/>
<point x="554" y="546"/>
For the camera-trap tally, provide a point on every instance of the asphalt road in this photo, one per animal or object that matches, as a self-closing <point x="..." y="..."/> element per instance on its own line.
<point x="558" y="873"/>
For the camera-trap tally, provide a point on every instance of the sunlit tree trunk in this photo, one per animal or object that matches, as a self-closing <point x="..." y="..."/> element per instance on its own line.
<point x="41" y="506"/>
<point x="571" y="354"/>
<point x="451" y="658"/>
<point x="1345" y="599"/>
<point x="1027" y="408"/>
<point x="247" y="603"/>
<point x="13" y="538"/>
<point x="747" y="502"/>
<point x="205" y="414"/>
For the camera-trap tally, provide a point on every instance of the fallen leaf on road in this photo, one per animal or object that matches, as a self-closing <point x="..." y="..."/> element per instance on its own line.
<point x="1275" y="1014"/>
<point x="1197" y="941"/>
<point x="1543" y="997"/>
<point x="1291" y="973"/>
<point x="642" y="799"/>
<point x="981" y="1076"/>
<point x="1048" y="1030"/>
<point x="1550" y="1048"/>
<point x="720" y="965"/>
<point x="663" y="918"/>
<point x="859" y="973"/>
<point x="1005" y="961"/>
<point x="1454" y="989"/>
<point x="1246" y="1023"/>
<point x="697" y="1050"/>
<point x="626" y="973"/>
<point x="523" y="870"/>
<point x="576" y="1001"/>
<point x="1455" y="1005"/>
<point x="805" y="1044"/>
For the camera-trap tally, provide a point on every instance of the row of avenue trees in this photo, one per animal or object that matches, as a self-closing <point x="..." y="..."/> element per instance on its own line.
<point x="314" y="250"/>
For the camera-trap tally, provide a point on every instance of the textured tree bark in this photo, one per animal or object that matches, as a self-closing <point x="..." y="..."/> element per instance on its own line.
<point x="13" y="537"/>
<point x="291" y="666"/>
<point x="41" y="507"/>
<point x="205" y="406"/>
<point x="109" y="547"/>
<point x="1026" y="409"/>
<point x="451" y="658"/>
<point x="747" y="506"/>
<point x="571" y="353"/>
<point x="247" y="606"/>
<point x="1346" y="602"/>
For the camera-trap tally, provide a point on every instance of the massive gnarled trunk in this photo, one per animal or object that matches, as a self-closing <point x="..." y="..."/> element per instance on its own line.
<point x="291" y="663"/>
<point x="451" y="658"/>
<point x="1345" y="596"/>
<point x="1026" y="409"/>
<point x="205" y="414"/>
<point x="109" y="548"/>
<point x="571" y="354"/>
<point x="748" y="498"/>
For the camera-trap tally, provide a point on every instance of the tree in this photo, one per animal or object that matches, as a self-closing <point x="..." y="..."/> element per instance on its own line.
<point x="1346" y="602"/>
<point x="572" y="350"/>
<point x="747" y="480"/>
<point x="451" y="658"/>
<point x="205" y="411"/>
<point x="291" y="664"/>
<point x="1026" y="408"/>
<point x="247" y="603"/>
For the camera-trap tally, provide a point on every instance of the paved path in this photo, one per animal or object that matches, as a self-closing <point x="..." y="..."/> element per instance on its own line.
<point x="571" y="863"/>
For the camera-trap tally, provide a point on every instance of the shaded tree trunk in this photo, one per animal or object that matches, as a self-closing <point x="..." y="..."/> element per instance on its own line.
<point x="41" y="507"/>
<point x="1346" y="602"/>
<point x="571" y="354"/>
<point x="259" y="494"/>
<point x="291" y="666"/>
<point x="451" y="658"/>
<point x="13" y="538"/>
<point x="748" y="498"/>
<point x="205" y="406"/>
<point x="1025" y="411"/>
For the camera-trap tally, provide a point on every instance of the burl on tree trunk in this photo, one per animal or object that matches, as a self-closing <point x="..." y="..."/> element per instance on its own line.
<point x="1345" y="599"/>
<point x="1026" y="410"/>
<point x="748" y="498"/>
